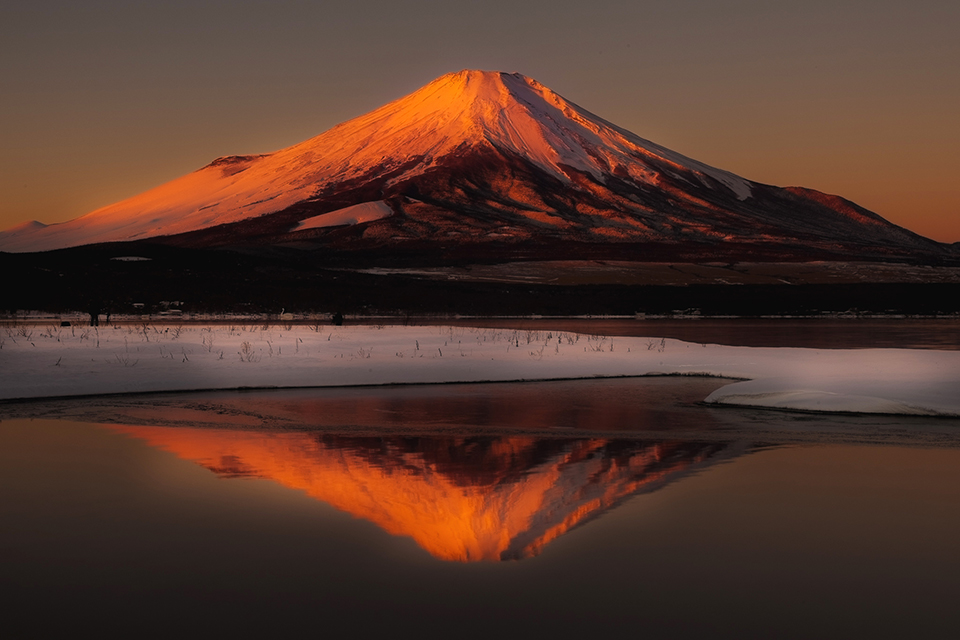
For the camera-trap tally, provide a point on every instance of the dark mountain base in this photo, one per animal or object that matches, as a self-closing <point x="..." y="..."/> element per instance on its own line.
<point x="92" y="279"/>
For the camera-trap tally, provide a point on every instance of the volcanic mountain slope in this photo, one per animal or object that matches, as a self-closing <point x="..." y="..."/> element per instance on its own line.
<point x="479" y="161"/>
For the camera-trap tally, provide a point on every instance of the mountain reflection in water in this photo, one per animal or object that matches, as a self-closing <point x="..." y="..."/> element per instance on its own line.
<point x="460" y="498"/>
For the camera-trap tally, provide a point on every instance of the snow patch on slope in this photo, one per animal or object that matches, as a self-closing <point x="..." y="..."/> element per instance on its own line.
<point x="365" y="212"/>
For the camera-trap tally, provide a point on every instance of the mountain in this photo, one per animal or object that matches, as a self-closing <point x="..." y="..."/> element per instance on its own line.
<point x="486" y="164"/>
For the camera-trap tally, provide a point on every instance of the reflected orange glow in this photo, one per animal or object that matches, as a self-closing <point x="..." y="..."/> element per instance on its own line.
<point x="464" y="498"/>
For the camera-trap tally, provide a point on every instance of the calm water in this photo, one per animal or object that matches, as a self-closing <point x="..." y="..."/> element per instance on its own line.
<point x="562" y="509"/>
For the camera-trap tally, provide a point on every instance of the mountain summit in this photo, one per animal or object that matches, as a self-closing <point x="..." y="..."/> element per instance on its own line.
<point x="485" y="162"/>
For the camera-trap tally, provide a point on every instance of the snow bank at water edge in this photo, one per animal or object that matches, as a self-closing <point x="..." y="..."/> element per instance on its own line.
<point x="38" y="361"/>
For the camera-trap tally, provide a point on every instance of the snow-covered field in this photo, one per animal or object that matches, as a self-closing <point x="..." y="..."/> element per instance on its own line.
<point x="47" y="361"/>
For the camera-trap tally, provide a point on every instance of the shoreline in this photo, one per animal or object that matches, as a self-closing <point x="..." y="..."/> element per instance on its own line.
<point x="56" y="362"/>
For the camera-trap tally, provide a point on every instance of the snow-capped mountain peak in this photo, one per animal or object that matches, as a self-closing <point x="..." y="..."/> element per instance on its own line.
<point x="508" y="111"/>
<point x="479" y="157"/>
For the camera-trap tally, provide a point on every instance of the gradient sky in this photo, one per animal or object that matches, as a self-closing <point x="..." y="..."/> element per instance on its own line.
<point x="103" y="99"/>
